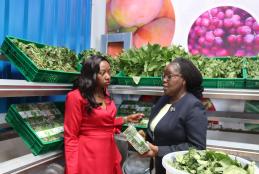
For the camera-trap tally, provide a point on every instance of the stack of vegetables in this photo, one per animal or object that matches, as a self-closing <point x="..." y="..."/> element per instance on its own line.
<point x="252" y="69"/>
<point x="137" y="66"/>
<point x="128" y="107"/>
<point x="41" y="63"/>
<point x="40" y="125"/>
<point x="148" y="62"/>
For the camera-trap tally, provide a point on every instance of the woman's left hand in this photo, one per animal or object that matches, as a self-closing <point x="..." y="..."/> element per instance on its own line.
<point x="134" y="118"/>
<point x="152" y="152"/>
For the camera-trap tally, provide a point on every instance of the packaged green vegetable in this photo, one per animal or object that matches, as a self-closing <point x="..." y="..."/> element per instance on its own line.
<point x="136" y="140"/>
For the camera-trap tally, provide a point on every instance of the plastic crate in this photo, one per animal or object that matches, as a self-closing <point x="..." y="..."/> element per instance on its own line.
<point x="225" y="82"/>
<point x="251" y="83"/>
<point x="29" y="69"/>
<point x="30" y="138"/>
<point x="28" y="135"/>
<point x="122" y="79"/>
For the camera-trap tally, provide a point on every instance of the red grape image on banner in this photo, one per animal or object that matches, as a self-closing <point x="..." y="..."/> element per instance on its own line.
<point x="224" y="31"/>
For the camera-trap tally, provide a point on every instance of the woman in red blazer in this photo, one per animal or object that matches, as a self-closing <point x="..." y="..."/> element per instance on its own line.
<point x="90" y="122"/>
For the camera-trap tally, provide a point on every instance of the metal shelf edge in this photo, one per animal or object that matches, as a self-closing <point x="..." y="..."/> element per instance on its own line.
<point x="10" y="88"/>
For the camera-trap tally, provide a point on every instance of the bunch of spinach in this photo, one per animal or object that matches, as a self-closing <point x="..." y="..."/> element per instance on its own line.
<point x="210" y="162"/>
<point x="149" y="60"/>
<point x="252" y="67"/>
<point x="49" y="57"/>
<point x="221" y="68"/>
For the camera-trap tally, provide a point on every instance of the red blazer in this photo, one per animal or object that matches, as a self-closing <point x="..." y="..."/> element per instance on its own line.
<point x="89" y="138"/>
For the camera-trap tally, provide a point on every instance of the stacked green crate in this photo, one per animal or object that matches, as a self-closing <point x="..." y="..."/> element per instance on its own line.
<point x="252" y="70"/>
<point x="222" y="72"/>
<point x="34" y="64"/>
<point x="128" y="107"/>
<point x="40" y="125"/>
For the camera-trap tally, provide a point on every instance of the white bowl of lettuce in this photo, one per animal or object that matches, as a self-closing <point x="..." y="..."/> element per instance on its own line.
<point x="206" y="162"/>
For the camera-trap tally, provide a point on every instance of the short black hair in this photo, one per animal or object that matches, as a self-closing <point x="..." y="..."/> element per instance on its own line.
<point x="191" y="75"/>
<point x="86" y="82"/>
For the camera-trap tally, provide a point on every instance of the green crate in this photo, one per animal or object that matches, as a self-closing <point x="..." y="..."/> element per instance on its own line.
<point x="122" y="79"/>
<point x="225" y="82"/>
<point x="251" y="83"/>
<point x="30" y="138"/>
<point x="27" y="139"/>
<point x="29" y="69"/>
<point x="28" y="135"/>
<point x="27" y="125"/>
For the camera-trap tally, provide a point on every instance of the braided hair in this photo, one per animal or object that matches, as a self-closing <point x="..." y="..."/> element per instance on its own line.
<point x="191" y="75"/>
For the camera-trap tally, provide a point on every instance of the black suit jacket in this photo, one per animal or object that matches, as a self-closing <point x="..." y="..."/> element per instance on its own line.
<point x="183" y="127"/>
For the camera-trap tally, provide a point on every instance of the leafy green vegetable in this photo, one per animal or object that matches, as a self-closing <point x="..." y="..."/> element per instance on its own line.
<point x="49" y="57"/>
<point x="252" y="66"/>
<point x="210" y="162"/>
<point x="221" y="68"/>
<point x="149" y="60"/>
<point x="45" y="119"/>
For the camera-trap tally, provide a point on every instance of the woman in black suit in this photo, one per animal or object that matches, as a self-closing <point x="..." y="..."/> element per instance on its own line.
<point x="178" y="121"/>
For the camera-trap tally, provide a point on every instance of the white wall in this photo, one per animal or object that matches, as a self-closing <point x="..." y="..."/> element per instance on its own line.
<point x="98" y="22"/>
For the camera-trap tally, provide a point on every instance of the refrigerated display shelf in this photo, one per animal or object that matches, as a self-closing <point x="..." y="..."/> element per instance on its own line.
<point x="18" y="88"/>
<point x="240" y="94"/>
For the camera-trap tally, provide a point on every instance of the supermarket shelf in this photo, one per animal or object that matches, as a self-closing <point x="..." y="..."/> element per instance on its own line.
<point x="18" y="88"/>
<point x="234" y="115"/>
<point x="241" y="94"/>
<point x="15" y="157"/>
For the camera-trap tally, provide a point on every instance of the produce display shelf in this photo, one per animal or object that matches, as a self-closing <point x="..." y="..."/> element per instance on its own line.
<point x="19" y="88"/>
<point x="14" y="88"/>
<point x="28" y="67"/>
<point x="18" y="116"/>
<point x="217" y="93"/>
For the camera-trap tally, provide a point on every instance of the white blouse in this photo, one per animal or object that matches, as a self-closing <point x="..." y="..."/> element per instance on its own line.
<point x="159" y="116"/>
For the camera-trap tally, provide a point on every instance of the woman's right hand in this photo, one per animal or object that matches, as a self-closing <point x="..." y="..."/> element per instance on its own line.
<point x="133" y="118"/>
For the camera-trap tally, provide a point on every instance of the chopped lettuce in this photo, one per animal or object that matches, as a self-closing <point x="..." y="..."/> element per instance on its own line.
<point x="210" y="162"/>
